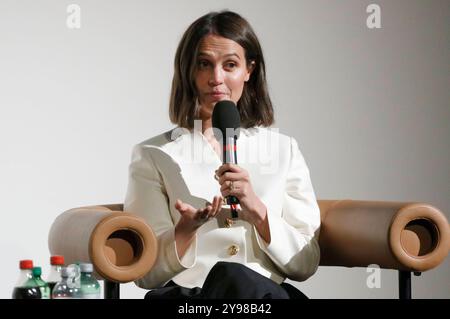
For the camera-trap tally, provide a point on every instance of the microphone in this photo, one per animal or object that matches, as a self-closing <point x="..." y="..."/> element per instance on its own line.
<point x="226" y="124"/>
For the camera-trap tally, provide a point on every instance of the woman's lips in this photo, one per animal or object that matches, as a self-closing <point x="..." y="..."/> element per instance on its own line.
<point x="217" y="95"/>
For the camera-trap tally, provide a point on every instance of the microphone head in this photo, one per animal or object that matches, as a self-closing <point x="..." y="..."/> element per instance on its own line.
<point x="226" y="118"/>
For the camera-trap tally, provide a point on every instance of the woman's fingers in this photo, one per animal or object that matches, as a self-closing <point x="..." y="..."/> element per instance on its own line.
<point x="218" y="206"/>
<point x="228" y="167"/>
<point x="209" y="211"/>
<point x="179" y="205"/>
<point x="231" y="177"/>
<point x="184" y="207"/>
<point x="226" y="186"/>
<point x="203" y="214"/>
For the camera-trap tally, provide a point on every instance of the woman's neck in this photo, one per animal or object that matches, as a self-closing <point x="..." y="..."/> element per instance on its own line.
<point x="206" y="117"/>
<point x="207" y="129"/>
<point x="209" y="135"/>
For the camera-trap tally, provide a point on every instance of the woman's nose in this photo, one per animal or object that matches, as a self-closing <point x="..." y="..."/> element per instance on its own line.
<point x="216" y="76"/>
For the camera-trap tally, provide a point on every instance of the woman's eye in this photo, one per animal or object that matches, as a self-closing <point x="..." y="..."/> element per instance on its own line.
<point x="230" y="65"/>
<point x="203" y="63"/>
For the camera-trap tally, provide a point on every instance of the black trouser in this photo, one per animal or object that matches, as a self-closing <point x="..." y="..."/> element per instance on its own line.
<point x="228" y="280"/>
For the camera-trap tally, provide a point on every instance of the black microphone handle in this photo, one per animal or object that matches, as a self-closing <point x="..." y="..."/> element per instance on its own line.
<point x="230" y="156"/>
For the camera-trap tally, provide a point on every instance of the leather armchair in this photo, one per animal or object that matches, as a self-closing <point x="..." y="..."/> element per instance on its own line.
<point x="406" y="236"/>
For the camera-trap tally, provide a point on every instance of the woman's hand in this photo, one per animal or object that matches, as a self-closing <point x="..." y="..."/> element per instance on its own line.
<point x="253" y="209"/>
<point x="191" y="219"/>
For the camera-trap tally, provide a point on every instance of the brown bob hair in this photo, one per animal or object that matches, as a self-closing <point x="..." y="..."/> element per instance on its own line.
<point x="254" y="106"/>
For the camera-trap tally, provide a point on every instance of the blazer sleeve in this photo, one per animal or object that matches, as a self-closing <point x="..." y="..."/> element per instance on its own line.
<point x="147" y="197"/>
<point x="293" y="246"/>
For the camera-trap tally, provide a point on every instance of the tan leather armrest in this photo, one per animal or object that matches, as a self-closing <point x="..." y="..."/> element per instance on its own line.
<point x="394" y="235"/>
<point x="121" y="246"/>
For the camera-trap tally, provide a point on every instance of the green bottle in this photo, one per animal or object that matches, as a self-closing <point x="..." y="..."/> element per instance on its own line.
<point x="90" y="288"/>
<point x="43" y="286"/>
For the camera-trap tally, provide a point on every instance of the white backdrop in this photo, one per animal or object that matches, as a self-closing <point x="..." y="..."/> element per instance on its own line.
<point x="369" y="107"/>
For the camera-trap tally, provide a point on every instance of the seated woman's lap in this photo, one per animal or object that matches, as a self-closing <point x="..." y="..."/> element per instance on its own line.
<point x="228" y="280"/>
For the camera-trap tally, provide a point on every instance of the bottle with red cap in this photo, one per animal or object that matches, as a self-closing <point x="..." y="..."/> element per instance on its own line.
<point x="26" y="287"/>
<point x="54" y="275"/>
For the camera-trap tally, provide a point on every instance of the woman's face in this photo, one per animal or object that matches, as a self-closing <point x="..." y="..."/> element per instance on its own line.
<point x="221" y="72"/>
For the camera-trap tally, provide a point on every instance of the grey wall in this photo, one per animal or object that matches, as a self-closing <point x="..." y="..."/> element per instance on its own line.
<point x="369" y="107"/>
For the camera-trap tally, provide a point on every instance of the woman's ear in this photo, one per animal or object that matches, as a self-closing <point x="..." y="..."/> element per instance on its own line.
<point x="250" y="68"/>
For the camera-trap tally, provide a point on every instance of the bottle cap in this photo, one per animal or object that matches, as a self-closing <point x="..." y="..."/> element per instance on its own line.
<point x="37" y="271"/>
<point x="57" y="260"/>
<point x="26" y="264"/>
<point x="67" y="272"/>
<point x="86" y="267"/>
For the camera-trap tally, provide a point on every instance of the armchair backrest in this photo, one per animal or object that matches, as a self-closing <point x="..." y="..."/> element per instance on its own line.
<point x="394" y="235"/>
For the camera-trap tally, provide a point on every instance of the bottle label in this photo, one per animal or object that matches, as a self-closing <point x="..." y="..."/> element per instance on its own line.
<point x="45" y="292"/>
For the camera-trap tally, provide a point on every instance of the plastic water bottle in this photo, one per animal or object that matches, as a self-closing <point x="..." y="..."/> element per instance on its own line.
<point x="43" y="286"/>
<point x="69" y="286"/>
<point x="26" y="287"/>
<point x="54" y="276"/>
<point x="90" y="288"/>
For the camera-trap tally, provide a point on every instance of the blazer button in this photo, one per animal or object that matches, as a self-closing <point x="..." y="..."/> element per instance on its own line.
<point x="228" y="222"/>
<point x="233" y="250"/>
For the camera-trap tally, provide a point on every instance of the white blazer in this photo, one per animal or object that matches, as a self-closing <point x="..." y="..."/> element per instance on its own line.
<point x="181" y="164"/>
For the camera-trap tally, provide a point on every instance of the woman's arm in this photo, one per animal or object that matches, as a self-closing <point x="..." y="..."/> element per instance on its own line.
<point x="287" y="237"/>
<point x="293" y="246"/>
<point x="147" y="197"/>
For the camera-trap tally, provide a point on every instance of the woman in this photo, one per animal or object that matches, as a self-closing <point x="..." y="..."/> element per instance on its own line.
<point x="202" y="252"/>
